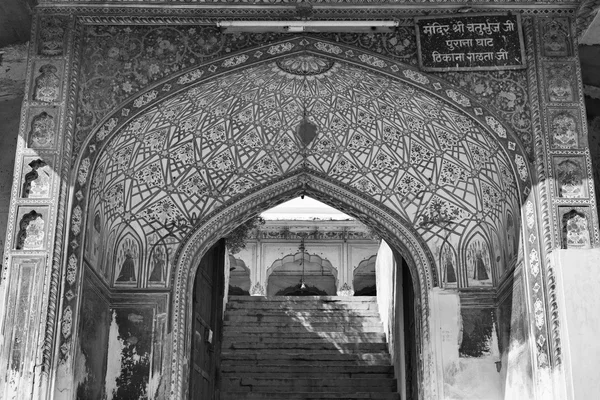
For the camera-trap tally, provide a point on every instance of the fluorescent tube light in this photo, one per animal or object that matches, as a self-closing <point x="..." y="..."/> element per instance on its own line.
<point x="307" y="26"/>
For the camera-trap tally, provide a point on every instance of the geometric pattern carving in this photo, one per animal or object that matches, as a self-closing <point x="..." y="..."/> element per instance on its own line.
<point x="217" y="140"/>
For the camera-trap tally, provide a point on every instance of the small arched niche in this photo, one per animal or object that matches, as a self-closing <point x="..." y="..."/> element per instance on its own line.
<point x="364" y="282"/>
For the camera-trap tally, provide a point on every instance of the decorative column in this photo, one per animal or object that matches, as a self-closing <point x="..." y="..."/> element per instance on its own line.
<point x="30" y="265"/>
<point x="565" y="192"/>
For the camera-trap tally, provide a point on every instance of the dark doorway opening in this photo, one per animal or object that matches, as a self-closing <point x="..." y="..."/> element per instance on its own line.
<point x="208" y="306"/>
<point x="209" y="289"/>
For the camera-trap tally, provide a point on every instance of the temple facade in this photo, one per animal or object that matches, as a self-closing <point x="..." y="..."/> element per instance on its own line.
<point x="455" y="131"/>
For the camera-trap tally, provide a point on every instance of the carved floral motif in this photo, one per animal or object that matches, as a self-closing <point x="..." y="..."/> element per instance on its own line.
<point x="37" y="180"/>
<point x="118" y="61"/>
<point x="42" y="131"/>
<point x="556" y="40"/>
<point x="560" y="81"/>
<point x="564" y="129"/>
<point x="52" y="36"/>
<point x="31" y="232"/>
<point x="305" y="65"/>
<point x="47" y="84"/>
<point x="505" y="92"/>
<point x="575" y="230"/>
<point x="570" y="174"/>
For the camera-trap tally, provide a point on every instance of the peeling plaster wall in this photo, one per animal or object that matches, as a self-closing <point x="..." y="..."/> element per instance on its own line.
<point x="468" y="349"/>
<point x="517" y="371"/>
<point x="577" y="292"/>
<point x="93" y="339"/>
<point x="129" y="354"/>
<point x="13" y="68"/>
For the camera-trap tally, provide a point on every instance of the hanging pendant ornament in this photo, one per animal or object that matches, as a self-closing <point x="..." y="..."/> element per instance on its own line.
<point x="306" y="130"/>
<point x="302" y="281"/>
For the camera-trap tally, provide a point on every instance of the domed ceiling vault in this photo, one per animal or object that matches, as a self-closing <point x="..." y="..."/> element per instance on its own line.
<point x="185" y="157"/>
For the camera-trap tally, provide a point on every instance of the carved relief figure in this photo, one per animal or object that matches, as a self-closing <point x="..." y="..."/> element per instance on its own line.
<point x="570" y="179"/>
<point x="575" y="230"/>
<point x="37" y="181"/>
<point x="127" y="273"/>
<point x="47" y="84"/>
<point x="31" y="232"/>
<point x="158" y="262"/>
<point x="556" y="38"/>
<point x="563" y="128"/>
<point x="126" y="260"/>
<point x="42" y="131"/>
<point x="448" y="264"/>
<point x="478" y="263"/>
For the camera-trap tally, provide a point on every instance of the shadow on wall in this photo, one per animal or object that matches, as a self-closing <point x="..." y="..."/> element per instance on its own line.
<point x="13" y="68"/>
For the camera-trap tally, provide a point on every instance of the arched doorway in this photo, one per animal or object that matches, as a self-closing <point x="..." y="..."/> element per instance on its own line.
<point x="406" y="323"/>
<point x="185" y="171"/>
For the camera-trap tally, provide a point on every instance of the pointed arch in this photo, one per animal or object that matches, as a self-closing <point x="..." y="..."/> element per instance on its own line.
<point x="477" y="259"/>
<point x="400" y="235"/>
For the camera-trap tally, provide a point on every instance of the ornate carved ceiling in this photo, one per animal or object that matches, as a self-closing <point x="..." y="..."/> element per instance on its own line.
<point x="397" y="144"/>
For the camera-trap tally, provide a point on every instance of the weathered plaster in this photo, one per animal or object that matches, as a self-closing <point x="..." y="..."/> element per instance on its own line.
<point x="13" y="68"/>
<point x="577" y="290"/>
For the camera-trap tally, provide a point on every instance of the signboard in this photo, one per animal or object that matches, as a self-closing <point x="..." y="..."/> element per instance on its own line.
<point x="470" y="42"/>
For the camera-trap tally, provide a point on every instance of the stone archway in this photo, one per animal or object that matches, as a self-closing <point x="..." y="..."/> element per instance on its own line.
<point x="401" y="238"/>
<point x="399" y="159"/>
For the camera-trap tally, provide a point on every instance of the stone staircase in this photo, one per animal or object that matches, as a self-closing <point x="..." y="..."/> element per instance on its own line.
<point x="305" y="348"/>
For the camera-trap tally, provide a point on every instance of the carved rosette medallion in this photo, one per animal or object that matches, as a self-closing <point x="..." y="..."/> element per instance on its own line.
<point x="305" y="65"/>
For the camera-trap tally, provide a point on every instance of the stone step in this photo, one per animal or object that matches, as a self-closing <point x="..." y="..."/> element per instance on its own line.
<point x="303" y="307"/>
<point x="260" y="374"/>
<point x="337" y="337"/>
<point x="305" y="356"/>
<point x="310" y="319"/>
<point x="286" y="385"/>
<point x="308" y="396"/>
<point x="305" y="348"/>
<point x="299" y="313"/>
<point x="304" y="345"/>
<point x="303" y="299"/>
<point x="299" y="362"/>
<point x="301" y="303"/>
<point x="270" y="328"/>
<point x="237" y="369"/>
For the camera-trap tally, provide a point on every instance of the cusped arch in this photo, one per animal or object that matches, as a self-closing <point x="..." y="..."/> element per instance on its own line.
<point x="297" y="257"/>
<point x="400" y="235"/>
